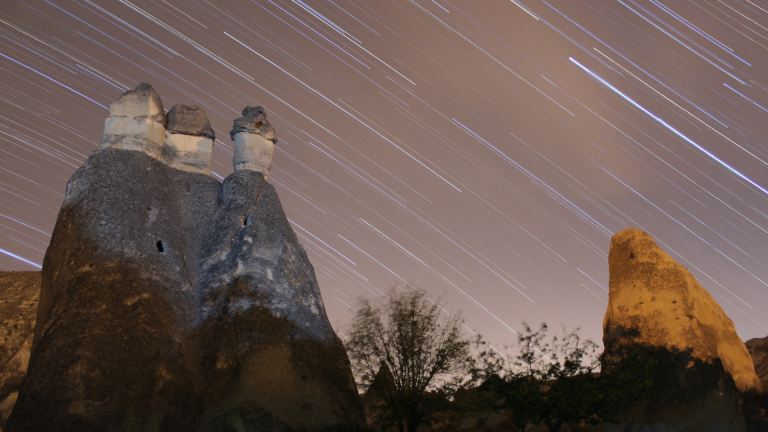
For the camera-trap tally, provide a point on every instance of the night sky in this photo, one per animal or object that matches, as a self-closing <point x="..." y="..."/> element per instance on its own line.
<point x="485" y="150"/>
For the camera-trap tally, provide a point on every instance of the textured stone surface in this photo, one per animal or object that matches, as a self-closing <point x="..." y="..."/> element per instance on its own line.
<point x="266" y="339"/>
<point x="254" y="121"/>
<point x="19" y="295"/>
<point x="171" y="302"/>
<point x="189" y="120"/>
<point x="655" y="301"/>
<point x="652" y="293"/>
<point x="187" y="153"/>
<point x="114" y="344"/>
<point x="136" y="122"/>
<point x="758" y="350"/>
<point x="253" y="152"/>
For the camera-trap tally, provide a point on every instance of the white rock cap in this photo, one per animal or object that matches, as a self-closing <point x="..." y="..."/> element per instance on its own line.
<point x="136" y="122"/>
<point x="254" y="141"/>
<point x="189" y="140"/>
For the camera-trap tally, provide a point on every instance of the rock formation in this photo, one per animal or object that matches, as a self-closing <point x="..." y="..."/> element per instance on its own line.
<point x="655" y="301"/>
<point x="189" y="140"/>
<point x="136" y="122"/>
<point x="19" y="294"/>
<point x="171" y="302"/>
<point x="254" y="141"/>
<point x="758" y="350"/>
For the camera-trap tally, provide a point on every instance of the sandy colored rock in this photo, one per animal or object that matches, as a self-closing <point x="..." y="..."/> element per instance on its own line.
<point x="136" y="122"/>
<point x="660" y="298"/>
<point x="19" y="296"/>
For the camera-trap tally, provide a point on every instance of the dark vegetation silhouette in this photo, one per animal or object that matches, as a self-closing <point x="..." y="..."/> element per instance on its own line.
<point x="419" y="345"/>
<point x="557" y="381"/>
<point x="410" y="353"/>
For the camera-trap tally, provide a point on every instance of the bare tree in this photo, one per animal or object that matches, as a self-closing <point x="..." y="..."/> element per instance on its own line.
<point x="419" y="342"/>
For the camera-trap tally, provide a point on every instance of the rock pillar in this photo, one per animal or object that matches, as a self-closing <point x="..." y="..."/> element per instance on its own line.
<point x="188" y="140"/>
<point x="254" y="141"/>
<point x="136" y="122"/>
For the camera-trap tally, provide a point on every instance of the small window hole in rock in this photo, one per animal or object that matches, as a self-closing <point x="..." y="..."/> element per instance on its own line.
<point x="631" y="255"/>
<point x="160" y="246"/>
<point x="247" y="221"/>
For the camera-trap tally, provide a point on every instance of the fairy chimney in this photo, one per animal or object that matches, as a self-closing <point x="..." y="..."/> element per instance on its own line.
<point x="254" y="141"/>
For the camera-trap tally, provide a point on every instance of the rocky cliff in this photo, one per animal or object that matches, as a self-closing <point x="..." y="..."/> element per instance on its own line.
<point x="655" y="301"/>
<point x="172" y="302"/>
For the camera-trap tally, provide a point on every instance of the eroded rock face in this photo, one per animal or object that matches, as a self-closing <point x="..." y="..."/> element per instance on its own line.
<point x="758" y="350"/>
<point x="188" y="140"/>
<point x="171" y="302"/>
<point x="655" y="301"/>
<point x="136" y="122"/>
<point x="19" y="296"/>
<point x="254" y="120"/>
<point x="114" y="341"/>
<point x="254" y="141"/>
<point x="652" y="293"/>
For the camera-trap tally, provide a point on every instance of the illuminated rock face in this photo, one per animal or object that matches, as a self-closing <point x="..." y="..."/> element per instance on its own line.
<point x="656" y="302"/>
<point x="172" y="302"/>
<point x="652" y="293"/>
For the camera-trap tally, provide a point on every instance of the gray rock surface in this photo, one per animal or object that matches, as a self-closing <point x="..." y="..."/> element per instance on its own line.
<point x="254" y="120"/>
<point x="171" y="302"/>
<point x="19" y="296"/>
<point x="266" y="339"/>
<point x="189" y="120"/>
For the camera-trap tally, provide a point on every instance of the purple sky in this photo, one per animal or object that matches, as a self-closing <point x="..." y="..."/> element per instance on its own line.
<point x="481" y="149"/>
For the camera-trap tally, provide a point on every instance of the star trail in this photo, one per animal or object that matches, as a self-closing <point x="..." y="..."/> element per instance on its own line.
<point x="484" y="150"/>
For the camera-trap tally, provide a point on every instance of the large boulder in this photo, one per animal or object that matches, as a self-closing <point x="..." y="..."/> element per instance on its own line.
<point x="656" y="302"/>
<point x="19" y="295"/>
<point x="171" y="302"/>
